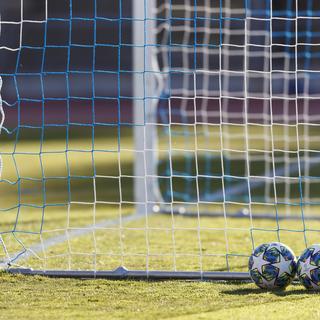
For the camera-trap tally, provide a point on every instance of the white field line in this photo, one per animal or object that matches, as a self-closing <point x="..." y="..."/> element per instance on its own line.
<point x="69" y="234"/>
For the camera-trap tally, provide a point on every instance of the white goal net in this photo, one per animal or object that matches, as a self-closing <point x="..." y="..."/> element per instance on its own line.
<point x="167" y="138"/>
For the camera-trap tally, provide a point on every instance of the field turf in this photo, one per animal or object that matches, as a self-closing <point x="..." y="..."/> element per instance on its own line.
<point x="42" y="298"/>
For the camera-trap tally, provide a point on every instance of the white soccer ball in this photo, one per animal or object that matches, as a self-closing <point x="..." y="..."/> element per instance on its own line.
<point x="272" y="266"/>
<point x="308" y="267"/>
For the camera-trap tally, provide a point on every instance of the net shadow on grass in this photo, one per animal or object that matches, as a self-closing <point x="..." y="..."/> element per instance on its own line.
<point x="281" y="293"/>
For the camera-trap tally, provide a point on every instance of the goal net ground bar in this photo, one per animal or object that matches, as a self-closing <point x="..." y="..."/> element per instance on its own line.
<point x="122" y="273"/>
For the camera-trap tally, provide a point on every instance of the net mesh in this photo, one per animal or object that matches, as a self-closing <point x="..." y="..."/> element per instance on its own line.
<point x="240" y="91"/>
<point x="237" y="126"/>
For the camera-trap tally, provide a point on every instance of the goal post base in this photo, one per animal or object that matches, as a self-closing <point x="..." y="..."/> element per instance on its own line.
<point x="122" y="274"/>
<point x="184" y="212"/>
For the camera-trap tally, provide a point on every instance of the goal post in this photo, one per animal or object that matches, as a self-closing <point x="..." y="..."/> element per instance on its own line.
<point x="146" y="189"/>
<point x="157" y="139"/>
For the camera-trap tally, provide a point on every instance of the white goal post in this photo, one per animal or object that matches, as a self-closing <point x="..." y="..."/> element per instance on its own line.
<point x="146" y="74"/>
<point x="159" y="139"/>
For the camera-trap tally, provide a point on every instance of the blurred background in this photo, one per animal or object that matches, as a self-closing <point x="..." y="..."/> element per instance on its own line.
<point x="38" y="71"/>
<point x="76" y="70"/>
<point x="66" y="59"/>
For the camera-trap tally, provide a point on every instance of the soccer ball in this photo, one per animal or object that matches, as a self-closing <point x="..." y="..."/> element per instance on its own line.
<point x="272" y="266"/>
<point x="308" y="267"/>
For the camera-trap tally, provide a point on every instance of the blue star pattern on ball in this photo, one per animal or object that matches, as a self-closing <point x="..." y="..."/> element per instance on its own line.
<point x="272" y="266"/>
<point x="308" y="267"/>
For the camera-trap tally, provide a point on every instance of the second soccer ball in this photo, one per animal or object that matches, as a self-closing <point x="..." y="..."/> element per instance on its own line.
<point x="308" y="267"/>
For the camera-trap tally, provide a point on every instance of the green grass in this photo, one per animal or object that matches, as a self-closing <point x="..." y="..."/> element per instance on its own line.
<point x="34" y="297"/>
<point x="155" y="242"/>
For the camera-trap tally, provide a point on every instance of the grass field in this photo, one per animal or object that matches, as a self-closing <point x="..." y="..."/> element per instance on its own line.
<point x="34" y="298"/>
<point x="153" y="242"/>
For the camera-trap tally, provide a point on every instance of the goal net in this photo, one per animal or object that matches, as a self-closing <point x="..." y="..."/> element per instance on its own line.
<point x="157" y="139"/>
